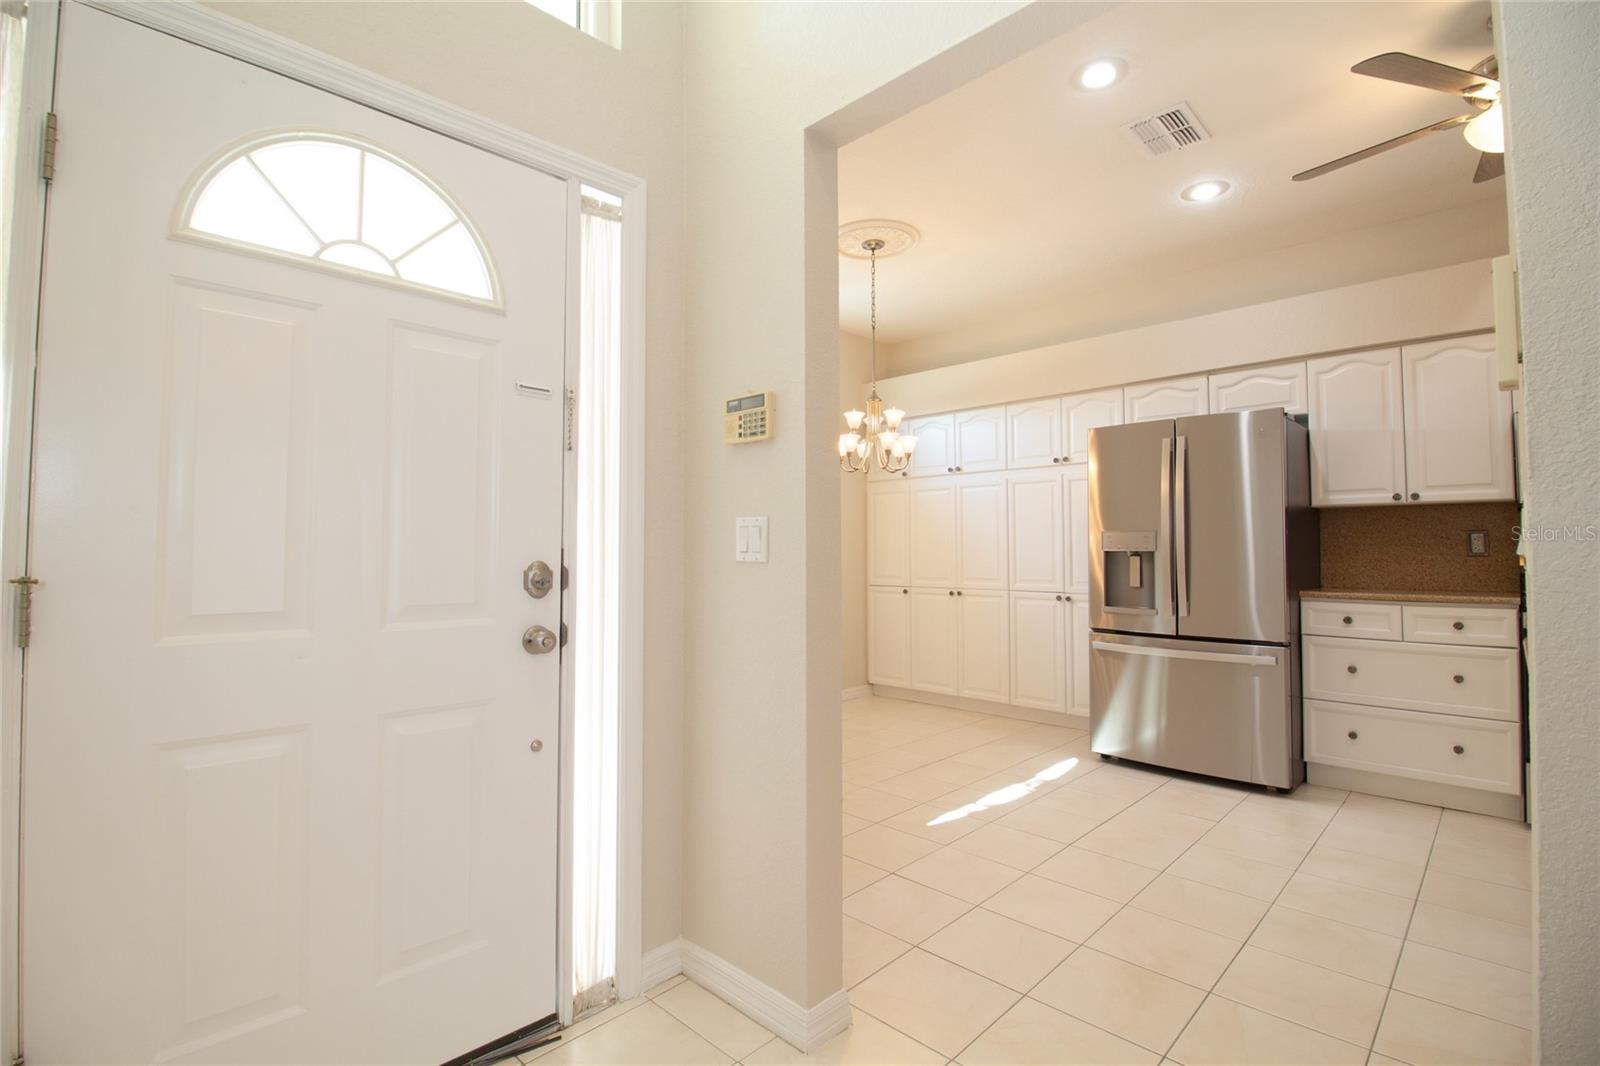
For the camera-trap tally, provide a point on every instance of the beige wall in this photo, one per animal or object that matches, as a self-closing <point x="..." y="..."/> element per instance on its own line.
<point x="1549" y="58"/>
<point x="511" y="62"/>
<point x="854" y="355"/>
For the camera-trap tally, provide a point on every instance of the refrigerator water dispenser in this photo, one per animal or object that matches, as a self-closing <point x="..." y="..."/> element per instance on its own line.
<point x="1128" y="569"/>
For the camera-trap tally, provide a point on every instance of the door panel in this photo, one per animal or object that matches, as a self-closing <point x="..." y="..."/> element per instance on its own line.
<point x="1358" y="450"/>
<point x="291" y="815"/>
<point x="1039" y="650"/>
<point x="936" y="445"/>
<point x="981" y="537"/>
<point x="887" y="532"/>
<point x="1155" y="400"/>
<point x="1033" y="434"/>
<point x="1078" y="638"/>
<point x="889" y="636"/>
<point x="981" y="440"/>
<point x="1083" y="412"/>
<point x="1075" y="481"/>
<point x="935" y="643"/>
<point x="1267" y="386"/>
<point x="1458" y="422"/>
<point x="1129" y="505"/>
<point x="985" y="646"/>
<point x="1035" y="526"/>
<point x="932" y="533"/>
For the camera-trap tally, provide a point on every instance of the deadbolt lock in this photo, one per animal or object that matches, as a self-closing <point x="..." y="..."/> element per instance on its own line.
<point x="538" y="640"/>
<point x="537" y="579"/>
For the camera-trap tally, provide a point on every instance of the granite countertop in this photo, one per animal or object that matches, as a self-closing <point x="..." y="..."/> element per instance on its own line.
<point x="1485" y="599"/>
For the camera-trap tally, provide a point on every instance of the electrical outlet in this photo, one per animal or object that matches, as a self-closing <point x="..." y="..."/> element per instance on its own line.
<point x="1477" y="542"/>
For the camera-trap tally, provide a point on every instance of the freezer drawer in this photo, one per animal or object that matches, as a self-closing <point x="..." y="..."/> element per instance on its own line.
<point x="1226" y="710"/>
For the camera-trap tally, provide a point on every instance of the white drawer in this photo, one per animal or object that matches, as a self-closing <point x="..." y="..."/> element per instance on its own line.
<point x="1475" y="682"/>
<point x="1350" y="618"/>
<point x="1450" y="750"/>
<point x="1438" y="623"/>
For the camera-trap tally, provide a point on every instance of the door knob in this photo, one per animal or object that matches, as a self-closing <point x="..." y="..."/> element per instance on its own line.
<point x="1459" y="750"/>
<point x="1350" y="669"/>
<point x="1458" y="625"/>
<point x="538" y="579"/>
<point x="535" y="746"/>
<point x="1352" y="734"/>
<point x="1458" y="679"/>
<point x="1348" y="620"/>
<point x="537" y="640"/>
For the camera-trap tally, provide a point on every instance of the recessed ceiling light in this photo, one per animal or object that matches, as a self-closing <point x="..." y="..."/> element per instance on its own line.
<point x="1204" y="191"/>
<point x="1101" y="74"/>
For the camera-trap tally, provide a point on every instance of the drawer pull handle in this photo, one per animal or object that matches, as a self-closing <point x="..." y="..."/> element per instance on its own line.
<point x="1458" y="626"/>
<point x="1348" y="620"/>
<point x="1351" y="668"/>
<point x="1352" y="734"/>
<point x="1458" y="679"/>
<point x="1459" y="750"/>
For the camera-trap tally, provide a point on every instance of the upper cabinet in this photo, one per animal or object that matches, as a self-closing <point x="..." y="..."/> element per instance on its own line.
<point x="936" y="444"/>
<point x="1173" y="398"/>
<point x="1358" y="453"/>
<point x="1033" y="433"/>
<point x="1082" y="412"/>
<point x="1458" y="422"/>
<point x="1282" y="386"/>
<point x="980" y="440"/>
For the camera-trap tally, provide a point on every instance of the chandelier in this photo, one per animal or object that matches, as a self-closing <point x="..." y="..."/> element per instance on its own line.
<point x="874" y="434"/>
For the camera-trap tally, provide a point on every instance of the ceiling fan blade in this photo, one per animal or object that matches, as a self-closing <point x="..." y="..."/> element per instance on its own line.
<point x="1491" y="165"/>
<point x="1412" y="70"/>
<point x="1393" y="142"/>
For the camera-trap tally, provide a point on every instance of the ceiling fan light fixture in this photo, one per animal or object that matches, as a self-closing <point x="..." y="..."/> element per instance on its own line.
<point x="1100" y="74"/>
<point x="1203" y="192"/>
<point x="1487" y="132"/>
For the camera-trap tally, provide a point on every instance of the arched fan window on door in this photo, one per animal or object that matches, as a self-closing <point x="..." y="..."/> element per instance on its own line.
<point x="341" y="204"/>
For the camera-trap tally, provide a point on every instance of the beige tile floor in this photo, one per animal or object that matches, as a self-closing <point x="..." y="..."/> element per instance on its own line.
<point x="1009" y="898"/>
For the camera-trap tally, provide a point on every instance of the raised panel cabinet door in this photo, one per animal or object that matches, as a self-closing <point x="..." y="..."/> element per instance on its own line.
<point x="1033" y="434"/>
<point x="1085" y="411"/>
<point x="1078" y="637"/>
<point x="1174" y="398"/>
<point x="985" y="645"/>
<point x="1075" y="482"/>
<point x="1458" y="422"/>
<point x="1358" y="448"/>
<point x="1035" y="528"/>
<point x="936" y="445"/>
<point x="981" y="440"/>
<point x="1039" y="654"/>
<point x="934" y="640"/>
<point x="981" y="532"/>
<point x="1263" y="386"/>
<point x="931" y="533"/>
<point x="889" y="636"/>
<point x="888" y="504"/>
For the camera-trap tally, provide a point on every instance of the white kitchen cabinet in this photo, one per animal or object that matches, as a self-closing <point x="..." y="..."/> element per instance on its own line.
<point x="936" y="445"/>
<point x="935" y="623"/>
<point x="984" y="643"/>
<point x="1036" y="531"/>
<point x="1075" y="484"/>
<point x="1082" y="412"/>
<point x="1469" y="681"/>
<point x="1173" y="398"/>
<point x="931" y="532"/>
<point x="1443" y="748"/>
<point x="1033" y="434"/>
<point x="1457" y="422"/>
<point x="980" y="440"/>
<point x="1078" y="637"/>
<point x="1358" y="449"/>
<point x="981" y="547"/>
<point x="1040" y="657"/>
<point x="1283" y="385"/>
<point x="889" y="635"/>
<point x="887" y="529"/>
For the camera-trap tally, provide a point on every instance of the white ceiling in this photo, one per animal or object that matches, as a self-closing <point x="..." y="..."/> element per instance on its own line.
<point x="1030" y="196"/>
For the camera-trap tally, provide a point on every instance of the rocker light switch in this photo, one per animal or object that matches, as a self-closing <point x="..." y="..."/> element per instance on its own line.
<point x="1477" y="542"/>
<point x="750" y="540"/>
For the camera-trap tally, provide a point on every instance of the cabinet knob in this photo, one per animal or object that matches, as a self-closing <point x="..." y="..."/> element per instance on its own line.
<point x="1348" y="620"/>
<point x="1069" y="599"/>
<point x="1350" y="669"/>
<point x="952" y="592"/>
<point x="1056" y="459"/>
<point x="1058" y="599"/>
<point x="1352" y="734"/>
<point x="1459" y="750"/>
<point x="1458" y="679"/>
<point x="958" y="592"/>
<point x="905" y="592"/>
<point x="949" y="470"/>
<point x="1416" y="496"/>
<point x="1458" y="625"/>
<point x="1397" y="497"/>
<point x="1066" y="458"/>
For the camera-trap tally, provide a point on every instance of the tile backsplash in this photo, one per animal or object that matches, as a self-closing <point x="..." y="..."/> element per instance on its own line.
<point x="1420" y="548"/>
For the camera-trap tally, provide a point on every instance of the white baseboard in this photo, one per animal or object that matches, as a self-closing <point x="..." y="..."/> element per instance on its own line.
<point x="661" y="963"/>
<point x="856" y="692"/>
<point x="804" y="1028"/>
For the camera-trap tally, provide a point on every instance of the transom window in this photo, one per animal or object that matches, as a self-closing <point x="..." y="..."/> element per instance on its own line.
<point x="344" y="204"/>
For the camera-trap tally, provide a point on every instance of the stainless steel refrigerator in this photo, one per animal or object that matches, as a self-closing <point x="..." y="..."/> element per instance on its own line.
<point x="1201" y="536"/>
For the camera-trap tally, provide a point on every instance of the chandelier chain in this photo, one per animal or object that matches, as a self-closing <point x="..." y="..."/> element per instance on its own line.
<point x="873" y="250"/>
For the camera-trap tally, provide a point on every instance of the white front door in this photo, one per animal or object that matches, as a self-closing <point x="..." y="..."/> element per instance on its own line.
<point x="281" y="798"/>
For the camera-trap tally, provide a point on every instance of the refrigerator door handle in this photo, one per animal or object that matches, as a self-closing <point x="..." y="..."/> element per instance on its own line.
<point x="1184" y="653"/>
<point x="1180" y="523"/>
<point x="1164" y="522"/>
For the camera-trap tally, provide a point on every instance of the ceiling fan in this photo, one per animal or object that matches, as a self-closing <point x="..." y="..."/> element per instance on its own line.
<point x="1479" y="88"/>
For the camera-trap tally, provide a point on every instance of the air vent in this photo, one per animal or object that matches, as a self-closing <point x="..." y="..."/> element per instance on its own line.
<point x="1170" y="130"/>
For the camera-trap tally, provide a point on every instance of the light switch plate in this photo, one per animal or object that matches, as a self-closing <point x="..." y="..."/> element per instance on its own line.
<point x="1477" y="542"/>
<point x="750" y="540"/>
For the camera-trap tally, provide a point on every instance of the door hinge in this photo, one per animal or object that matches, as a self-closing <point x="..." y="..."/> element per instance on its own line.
<point x="47" y="158"/>
<point x="24" y="586"/>
<point x="572" y="406"/>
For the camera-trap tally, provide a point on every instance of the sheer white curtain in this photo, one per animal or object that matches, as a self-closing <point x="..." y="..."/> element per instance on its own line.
<point x="12" y="26"/>
<point x="595" y="740"/>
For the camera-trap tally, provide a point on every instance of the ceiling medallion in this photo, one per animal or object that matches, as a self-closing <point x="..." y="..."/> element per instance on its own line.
<point x="894" y="237"/>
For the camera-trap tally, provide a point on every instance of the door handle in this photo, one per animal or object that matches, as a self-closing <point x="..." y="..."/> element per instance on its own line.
<point x="1164" y="519"/>
<point x="1185" y="653"/>
<point x="1180" y="522"/>
<point x="537" y="640"/>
